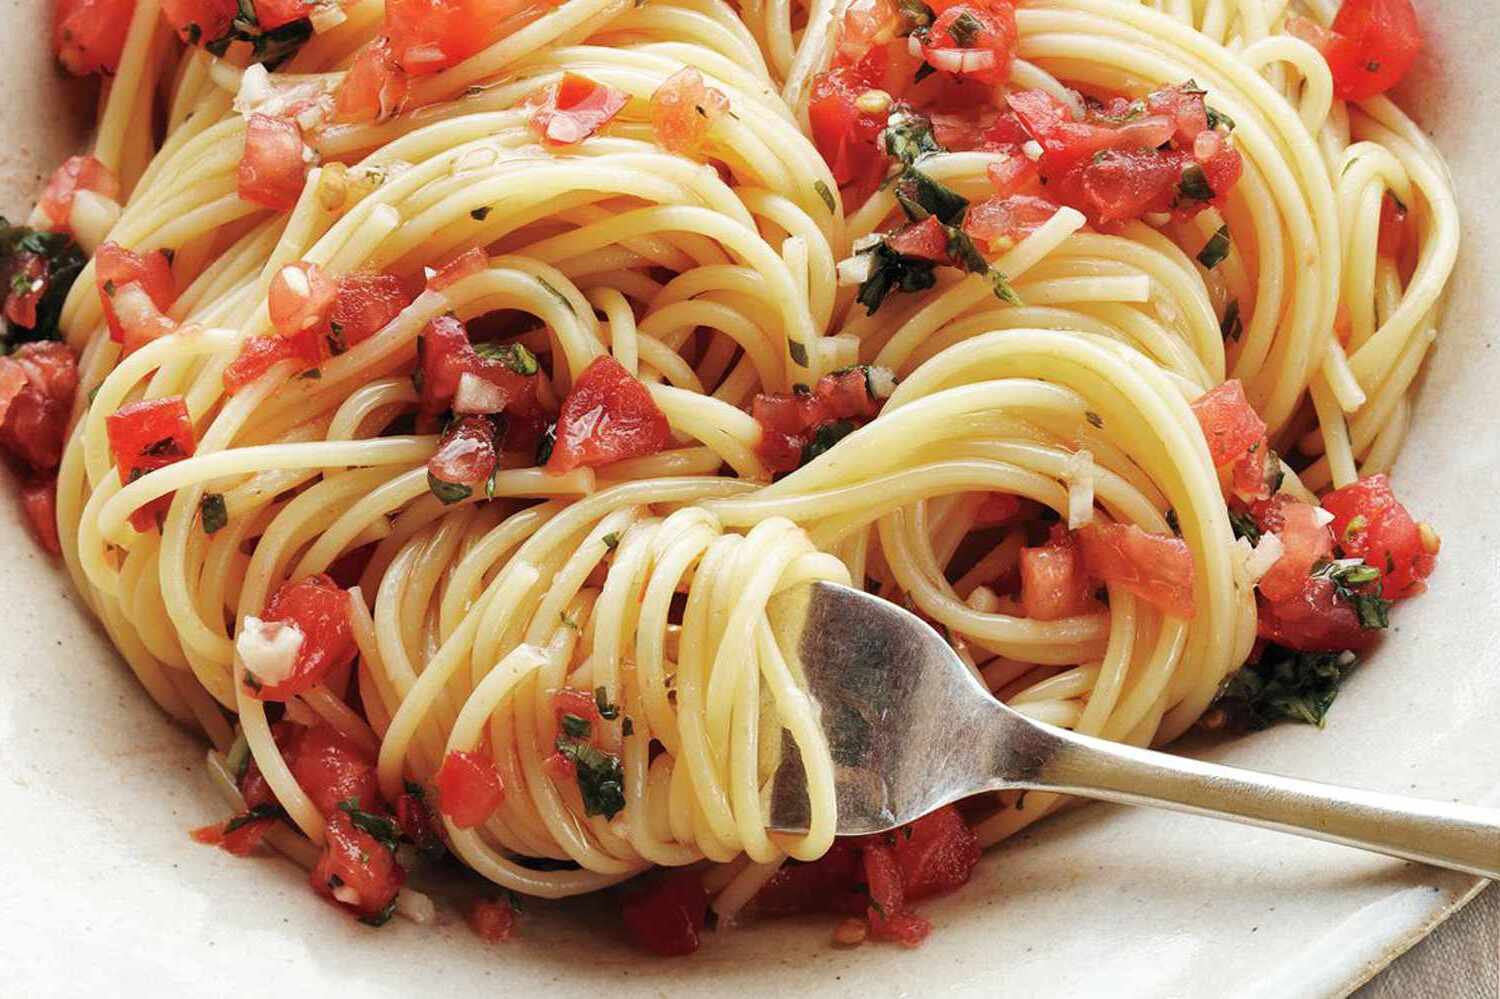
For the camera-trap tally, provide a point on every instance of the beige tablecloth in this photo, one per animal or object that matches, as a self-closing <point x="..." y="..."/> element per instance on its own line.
<point x="1461" y="960"/>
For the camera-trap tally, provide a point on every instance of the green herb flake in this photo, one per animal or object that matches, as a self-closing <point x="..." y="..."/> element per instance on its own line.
<point x="514" y="356"/>
<point x="607" y="711"/>
<point x="576" y="727"/>
<point x="1231" y="327"/>
<point x="265" y="810"/>
<point x="561" y="298"/>
<point x="1244" y="526"/>
<point x="448" y="492"/>
<point x="479" y="214"/>
<point x="213" y="513"/>
<point x="601" y="779"/>
<point x="798" y="350"/>
<point x="825" y="437"/>
<point x="1358" y="585"/>
<point x="1095" y="420"/>
<point x="545" y="445"/>
<point x="965" y="29"/>
<point x="1194" y="184"/>
<point x="385" y="830"/>
<point x="826" y="195"/>
<point x="1216" y="249"/>
<point x="1284" y="685"/>
<point x="611" y="540"/>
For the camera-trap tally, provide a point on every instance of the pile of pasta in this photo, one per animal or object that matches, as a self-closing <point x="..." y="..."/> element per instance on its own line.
<point x="712" y="276"/>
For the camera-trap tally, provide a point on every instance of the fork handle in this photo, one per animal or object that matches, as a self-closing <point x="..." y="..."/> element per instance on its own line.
<point x="1460" y="837"/>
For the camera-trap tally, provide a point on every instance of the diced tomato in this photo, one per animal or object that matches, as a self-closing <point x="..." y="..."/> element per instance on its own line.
<point x="1054" y="583"/>
<point x="258" y="354"/>
<point x="1123" y="184"/>
<point x="1304" y="541"/>
<point x="89" y="35"/>
<point x="145" y="436"/>
<point x="37" y="385"/>
<point x="608" y="416"/>
<point x="1001" y="509"/>
<point x="272" y="14"/>
<point x="787" y="419"/>
<point x="375" y="87"/>
<point x="330" y="768"/>
<point x="571" y="701"/>
<point x="469" y="788"/>
<point x="1230" y="424"/>
<point x="254" y="787"/>
<point x="30" y="275"/>
<point x="199" y="22"/>
<point x="845" y="135"/>
<point x="319" y="609"/>
<point x="428" y="36"/>
<point x="683" y="109"/>
<point x="464" y="460"/>
<point x="887" y="914"/>
<point x="418" y="824"/>
<point x="365" y="304"/>
<point x="936" y="853"/>
<point x="272" y="171"/>
<point x="39" y="503"/>
<point x="446" y="356"/>
<point x="356" y="870"/>
<point x="1370" y="523"/>
<point x="241" y="841"/>
<point x="828" y="883"/>
<point x="985" y="51"/>
<point x="301" y="298"/>
<point x="493" y="920"/>
<point x="845" y="394"/>
<point x="78" y="173"/>
<point x="573" y="108"/>
<point x="138" y="319"/>
<point x="1392" y="226"/>
<point x="866" y="24"/>
<point x="1003" y="221"/>
<point x="1183" y="105"/>
<point x="925" y="240"/>
<point x="471" y="261"/>
<point x="1313" y="621"/>
<point x="1369" y="47"/>
<point x="1155" y="567"/>
<point x="667" y="917"/>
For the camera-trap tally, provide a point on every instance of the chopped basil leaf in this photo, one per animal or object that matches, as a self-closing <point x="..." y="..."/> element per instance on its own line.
<point x="826" y="195"/>
<point x="908" y="136"/>
<point x="627" y="727"/>
<point x="1231" y="327"/>
<point x="1217" y="118"/>
<point x="546" y="443"/>
<point x="1172" y="522"/>
<point x="1285" y="685"/>
<point x="1244" y="526"/>
<point x="964" y="29"/>
<point x="270" y="47"/>
<point x="611" y="540"/>
<point x="919" y="196"/>
<point x="514" y="356"/>
<point x="567" y="621"/>
<point x="385" y="831"/>
<point x="576" y="727"/>
<point x="916" y="14"/>
<point x="1216" y="249"/>
<point x="61" y="259"/>
<point x="1095" y="420"/>
<point x="213" y="513"/>
<point x="825" y="437"/>
<point x="448" y="492"/>
<point x="336" y="342"/>
<point x="607" y="711"/>
<point x="382" y="917"/>
<point x="1358" y="585"/>
<point x="923" y="71"/>
<point x="478" y="214"/>
<point x="265" y="810"/>
<point x="561" y="298"/>
<point x="1194" y="185"/>
<point x="601" y="780"/>
<point x="798" y="350"/>
<point x="891" y="271"/>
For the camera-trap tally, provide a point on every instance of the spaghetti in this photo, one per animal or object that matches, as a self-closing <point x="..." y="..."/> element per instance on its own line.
<point x="873" y="293"/>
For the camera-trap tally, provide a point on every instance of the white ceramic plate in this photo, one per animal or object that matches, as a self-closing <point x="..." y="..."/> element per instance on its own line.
<point x="101" y="892"/>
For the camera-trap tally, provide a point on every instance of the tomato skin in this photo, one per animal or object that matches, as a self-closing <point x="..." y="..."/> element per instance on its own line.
<point x="89" y="35"/>
<point x="365" y="303"/>
<point x="1157" y="568"/>
<point x="471" y="261"/>
<point x="353" y="859"/>
<point x="572" y="109"/>
<point x="39" y="503"/>
<point x="1000" y="221"/>
<point x="465" y="457"/>
<point x="272" y="171"/>
<point x="494" y="921"/>
<point x="77" y="173"/>
<point x="199" y="22"/>
<point x="329" y="767"/>
<point x="258" y="354"/>
<point x="115" y="268"/>
<point x="1388" y="540"/>
<point x="1230" y="425"/>
<point x="145" y="436"/>
<point x="300" y="298"/>
<point x="469" y="788"/>
<point x="1054" y="583"/>
<point x="607" y="417"/>
<point x="1370" y="46"/>
<point x="667" y="917"/>
<point x="375" y="88"/>
<point x="240" y="841"/>
<point x="37" y="385"/>
<point x="683" y="109"/>
<point x="320" y="610"/>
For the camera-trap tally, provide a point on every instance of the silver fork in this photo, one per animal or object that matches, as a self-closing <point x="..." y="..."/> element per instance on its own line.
<point x="911" y="729"/>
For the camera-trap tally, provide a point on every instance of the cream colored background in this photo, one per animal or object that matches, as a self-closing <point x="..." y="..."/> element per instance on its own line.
<point x="102" y="893"/>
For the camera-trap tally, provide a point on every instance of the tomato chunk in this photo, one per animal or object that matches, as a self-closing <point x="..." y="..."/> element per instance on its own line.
<point x="89" y="35"/>
<point x="683" y="109"/>
<point x="1370" y="523"/>
<point x="330" y="768"/>
<point x="573" y="108"/>
<point x="977" y="40"/>
<point x="791" y="422"/>
<point x="1229" y="424"/>
<point x="135" y="290"/>
<point x="145" y="436"/>
<point x="37" y="385"/>
<point x="925" y="240"/>
<point x="200" y="22"/>
<point x="365" y="303"/>
<point x="493" y="920"/>
<point x="273" y="14"/>
<point x="301" y="297"/>
<point x="356" y="870"/>
<point x="319" y="609"/>
<point x="667" y="917"/>
<point x="936" y="853"/>
<point x="375" y="88"/>
<point x="240" y="835"/>
<point x="466" y="457"/>
<point x="258" y="354"/>
<point x="272" y="171"/>
<point x="469" y="788"/>
<point x="1305" y="541"/>
<point x="471" y="261"/>
<point x="1314" y="620"/>
<point x="1155" y="567"/>
<point x="39" y="503"/>
<point x="1054" y="583"/>
<point x="1003" y="221"/>
<point x="608" y="416"/>
<point x="842" y="129"/>
<point x="507" y="375"/>
<point x="428" y="36"/>
<point x="1370" y="46"/>
<point x="78" y="173"/>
